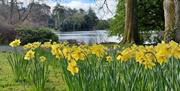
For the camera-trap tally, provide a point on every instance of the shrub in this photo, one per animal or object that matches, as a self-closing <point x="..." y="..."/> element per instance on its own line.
<point x="7" y="35"/>
<point x="29" y="35"/>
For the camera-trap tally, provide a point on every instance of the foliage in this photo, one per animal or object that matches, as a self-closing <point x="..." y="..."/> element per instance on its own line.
<point x="7" y="35"/>
<point x="90" y="19"/>
<point x="117" y="23"/>
<point x="55" y="81"/>
<point x="39" y="69"/>
<point x="32" y="66"/>
<point x="17" y="62"/>
<point x="150" y="17"/>
<point x="103" y="24"/>
<point x="72" y="23"/>
<point x="29" y="34"/>
<point x="18" y="65"/>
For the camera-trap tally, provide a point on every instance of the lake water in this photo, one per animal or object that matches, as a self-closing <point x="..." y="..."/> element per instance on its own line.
<point x="97" y="36"/>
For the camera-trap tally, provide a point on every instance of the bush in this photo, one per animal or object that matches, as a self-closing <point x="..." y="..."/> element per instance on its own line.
<point x="7" y="35"/>
<point x="29" y="35"/>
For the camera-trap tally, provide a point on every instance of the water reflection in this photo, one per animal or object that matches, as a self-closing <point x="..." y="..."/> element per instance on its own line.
<point x="98" y="36"/>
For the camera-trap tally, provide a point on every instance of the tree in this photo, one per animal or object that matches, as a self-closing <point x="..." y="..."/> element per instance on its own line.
<point x="130" y="28"/>
<point x="40" y="14"/>
<point x="2" y="1"/>
<point x="177" y="20"/>
<point x="149" y="14"/>
<point x="169" y="15"/>
<point x="16" y="10"/>
<point x="73" y="22"/>
<point x="67" y="19"/>
<point x="59" y="14"/>
<point x="102" y="24"/>
<point x="172" y="20"/>
<point x="90" y="19"/>
<point x="130" y="31"/>
<point x="117" y="23"/>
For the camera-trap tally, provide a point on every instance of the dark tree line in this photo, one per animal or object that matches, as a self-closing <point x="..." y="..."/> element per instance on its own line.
<point x="67" y="19"/>
<point x="40" y="15"/>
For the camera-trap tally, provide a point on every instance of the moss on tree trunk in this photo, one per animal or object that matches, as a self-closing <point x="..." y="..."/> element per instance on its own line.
<point x="169" y="15"/>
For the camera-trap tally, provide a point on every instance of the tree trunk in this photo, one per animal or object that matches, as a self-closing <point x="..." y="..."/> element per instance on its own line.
<point x="11" y="11"/>
<point x="177" y="20"/>
<point x="3" y="3"/>
<point x="130" y="32"/>
<point x="169" y="15"/>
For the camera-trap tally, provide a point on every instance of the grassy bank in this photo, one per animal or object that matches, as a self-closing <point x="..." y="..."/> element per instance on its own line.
<point x="55" y="82"/>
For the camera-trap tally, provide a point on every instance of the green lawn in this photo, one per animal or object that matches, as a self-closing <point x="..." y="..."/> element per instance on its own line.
<point x="55" y="82"/>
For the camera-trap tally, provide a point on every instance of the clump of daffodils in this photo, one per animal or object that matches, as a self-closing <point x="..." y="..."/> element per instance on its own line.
<point x="15" y="43"/>
<point x="150" y="55"/>
<point x="32" y="45"/>
<point x="75" y="53"/>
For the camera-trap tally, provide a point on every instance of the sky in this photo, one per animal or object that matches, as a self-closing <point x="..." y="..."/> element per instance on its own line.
<point x="84" y="4"/>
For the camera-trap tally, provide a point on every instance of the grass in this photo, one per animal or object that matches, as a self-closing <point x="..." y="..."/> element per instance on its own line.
<point x="55" y="81"/>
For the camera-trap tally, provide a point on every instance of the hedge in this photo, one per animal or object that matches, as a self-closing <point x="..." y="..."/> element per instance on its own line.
<point x="29" y="35"/>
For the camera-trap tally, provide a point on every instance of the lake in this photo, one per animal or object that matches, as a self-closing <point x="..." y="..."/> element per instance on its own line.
<point x="97" y="36"/>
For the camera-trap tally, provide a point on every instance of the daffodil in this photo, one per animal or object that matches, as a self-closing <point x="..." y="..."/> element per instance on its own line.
<point x="78" y="54"/>
<point x="98" y="50"/>
<point x="149" y="60"/>
<point x="125" y="55"/>
<point x="161" y="57"/>
<point x="140" y="56"/>
<point x="29" y="55"/>
<point x="173" y="44"/>
<point x="15" y="43"/>
<point x="42" y="58"/>
<point x="28" y="46"/>
<point x="176" y="52"/>
<point x="46" y="45"/>
<point x="67" y="52"/>
<point x="109" y="58"/>
<point x="72" y="67"/>
<point x="56" y="50"/>
<point x="36" y="45"/>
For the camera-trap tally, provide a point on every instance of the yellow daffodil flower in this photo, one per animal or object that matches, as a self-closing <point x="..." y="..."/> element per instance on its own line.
<point x="78" y="54"/>
<point x="72" y="67"/>
<point x="29" y="55"/>
<point x="15" y="43"/>
<point x="28" y="46"/>
<point x="109" y="59"/>
<point x="98" y="50"/>
<point x="42" y="58"/>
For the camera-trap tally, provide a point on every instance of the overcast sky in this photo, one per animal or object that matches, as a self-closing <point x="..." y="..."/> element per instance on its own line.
<point x="85" y="4"/>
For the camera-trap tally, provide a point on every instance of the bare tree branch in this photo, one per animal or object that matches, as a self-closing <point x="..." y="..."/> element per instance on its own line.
<point x="26" y="16"/>
<point x="105" y="4"/>
<point x="11" y="11"/>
